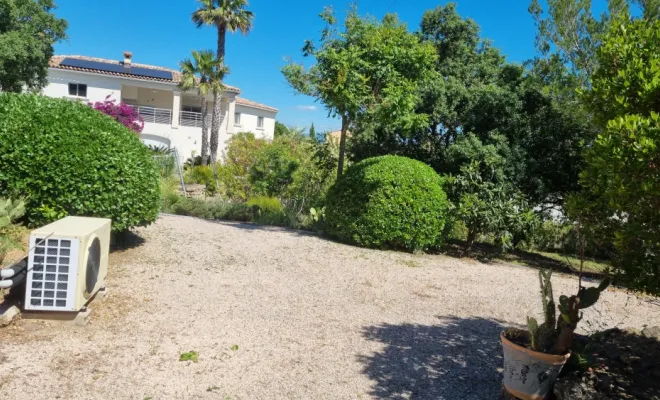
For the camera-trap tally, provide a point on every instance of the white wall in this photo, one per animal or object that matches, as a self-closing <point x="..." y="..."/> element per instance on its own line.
<point x="98" y="87"/>
<point x="249" y="117"/>
<point x="154" y="98"/>
<point x="186" y="139"/>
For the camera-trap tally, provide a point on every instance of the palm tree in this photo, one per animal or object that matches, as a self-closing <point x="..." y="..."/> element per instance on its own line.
<point x="225" y="15"/>
<point x="196" y="74"/>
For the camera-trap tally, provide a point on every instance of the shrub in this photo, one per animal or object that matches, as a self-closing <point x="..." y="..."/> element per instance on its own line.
<point x="121" y="112"/>
<point x="388" y="202"/>
<point x="489" y="208"/>
<point x="242" y="151"/>
<point x="267" y="210"/>
<point x="66" y="158"/>
<point x="199" y="174"/>
<point x="273" y="168"/>
<point x="191" y="207"/>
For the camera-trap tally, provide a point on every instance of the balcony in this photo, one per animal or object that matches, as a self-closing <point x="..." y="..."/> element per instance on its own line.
<point x="194" y="119"/>
<point x="164" y="116"/>
<point x="154" y="115"/>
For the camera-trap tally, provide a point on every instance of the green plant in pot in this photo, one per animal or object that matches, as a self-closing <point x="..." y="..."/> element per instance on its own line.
<point x="534" y="358"/>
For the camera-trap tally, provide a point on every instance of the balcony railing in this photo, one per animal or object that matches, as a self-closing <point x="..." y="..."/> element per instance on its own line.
<point x="164" y="116"/>
<point x="194" y="119"/>
<point x="154" y="115"/>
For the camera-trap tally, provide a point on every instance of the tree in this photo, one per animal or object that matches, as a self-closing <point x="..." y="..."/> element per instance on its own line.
<point x="196" y="73"/>
<point x="568" y="29"/>
<point x="225" y="15"/>
<point x="28" y="31"/>
<point x="312" y="133"/>
<point x="367" y="71"/>
<point x="532" y="116"/>
<point x="487" y="207"/>
<point x="281" y="129"/>
<point x="621" y="181"/>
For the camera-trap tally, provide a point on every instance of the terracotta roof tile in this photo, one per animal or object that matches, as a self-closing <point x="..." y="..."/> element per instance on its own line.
<point x="55" y="62"/>
<point x="253" y="104"/>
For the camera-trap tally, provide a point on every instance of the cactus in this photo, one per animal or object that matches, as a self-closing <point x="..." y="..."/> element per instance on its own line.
<point x="542" y="337"/>
<point x="555" y="335"/>
<point x="10" y="211"/>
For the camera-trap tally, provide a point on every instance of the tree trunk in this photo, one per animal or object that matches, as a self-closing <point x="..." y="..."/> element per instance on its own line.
<point x="205" y="131"/>
<point x="222" y="34"/>
<point x="217" y="96"/>
<point x="215" y="124"/>
<point x="472" y="235"/>
<point x="342" y="145"/>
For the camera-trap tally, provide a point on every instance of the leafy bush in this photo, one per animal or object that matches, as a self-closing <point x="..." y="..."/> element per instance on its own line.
<point x="66" y="158"/>
<point x="199" y="174"/>
<point x="10" y="233"/>
<point x="268" y="210"/>
<point x="487" y="207"/>
<point x="388" y="202"/>
<point x="274" y="166"/>
<point x="622" y="189"/>
<point x="242" y="151"/>
<point x="121" y="112"/>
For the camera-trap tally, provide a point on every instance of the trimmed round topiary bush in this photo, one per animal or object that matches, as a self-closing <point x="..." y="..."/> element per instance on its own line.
<point x="388" y="202"/>
<point x="65" y="158"/>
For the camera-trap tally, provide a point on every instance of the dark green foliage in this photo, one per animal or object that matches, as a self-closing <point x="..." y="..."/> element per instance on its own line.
<point x="530" y="119"/>
<point x="281" y="129"/>
<point x="66" y="158"/>
<point x="485" y="204"/>
<point x="28" y="31"/>
<point x="272" y="170"/>
<point x="622" y="189"/>
<point x="388" y="202"/>
<point x="312" y="133"/>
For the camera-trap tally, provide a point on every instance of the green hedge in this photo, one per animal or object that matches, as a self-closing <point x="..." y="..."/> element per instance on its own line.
<point x="388" y="202"/>
<point x="66" y="158"/>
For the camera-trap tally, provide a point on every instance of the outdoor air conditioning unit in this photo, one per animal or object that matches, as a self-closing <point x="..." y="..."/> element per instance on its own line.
<point x="67" y="264"/>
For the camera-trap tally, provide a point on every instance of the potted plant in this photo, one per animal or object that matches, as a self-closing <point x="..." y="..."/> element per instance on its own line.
<point x="534" y="358"/>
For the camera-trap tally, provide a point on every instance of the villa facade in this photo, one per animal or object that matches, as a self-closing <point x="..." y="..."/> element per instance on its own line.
<point x="172" y="118"/>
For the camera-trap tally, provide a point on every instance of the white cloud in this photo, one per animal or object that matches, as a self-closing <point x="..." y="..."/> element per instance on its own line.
<point x="307" y="108"/>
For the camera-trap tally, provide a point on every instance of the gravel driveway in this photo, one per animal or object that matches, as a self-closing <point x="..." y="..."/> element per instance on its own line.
<point x="311" y="319"/>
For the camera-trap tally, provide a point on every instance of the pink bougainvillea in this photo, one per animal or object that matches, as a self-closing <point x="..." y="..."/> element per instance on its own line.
<point x="121" y="112"/>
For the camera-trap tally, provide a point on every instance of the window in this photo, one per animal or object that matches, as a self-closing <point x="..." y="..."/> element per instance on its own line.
<point x="260" y="122"/>
<point x="195" y="109"/>
<point x="237" y="119"/>
<point x="77" y="89"/>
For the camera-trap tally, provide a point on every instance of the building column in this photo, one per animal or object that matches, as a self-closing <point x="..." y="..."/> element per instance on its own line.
<point x="231" y="110"/>
<point x="176" y="109"/>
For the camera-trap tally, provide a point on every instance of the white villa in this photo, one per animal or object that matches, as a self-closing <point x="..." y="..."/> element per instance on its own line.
<point x="172" y="118"/>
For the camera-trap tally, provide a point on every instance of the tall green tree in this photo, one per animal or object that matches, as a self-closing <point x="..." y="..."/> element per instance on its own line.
<point x="226" y="16"/>
<point x="312" y="133"/>
<point x="197" y="74"/>
<point x="570" y="30"/>
<point x="28" y="31"/>
<point x="622" y="178"/>
<point x="366" y="70"/>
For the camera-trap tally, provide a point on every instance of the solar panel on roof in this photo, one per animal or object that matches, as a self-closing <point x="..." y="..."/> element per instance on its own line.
<point x="117" y="68"/>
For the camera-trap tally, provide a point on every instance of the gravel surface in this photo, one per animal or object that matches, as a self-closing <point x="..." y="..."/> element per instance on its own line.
<point x="278" y="314"/>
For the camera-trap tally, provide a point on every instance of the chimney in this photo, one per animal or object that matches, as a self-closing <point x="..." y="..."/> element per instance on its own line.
<point x="128" y="56"/>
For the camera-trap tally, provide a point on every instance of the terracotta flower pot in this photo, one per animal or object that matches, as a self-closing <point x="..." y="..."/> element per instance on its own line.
<point x="528" y="374"/>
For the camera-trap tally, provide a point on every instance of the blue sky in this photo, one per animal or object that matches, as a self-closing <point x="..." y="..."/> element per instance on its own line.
<point x="160" y="33"/>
